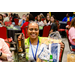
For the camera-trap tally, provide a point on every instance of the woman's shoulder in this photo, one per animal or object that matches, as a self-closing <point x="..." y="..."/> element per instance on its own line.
<point x="2" y="39"/>
<point x="72" y="29"/>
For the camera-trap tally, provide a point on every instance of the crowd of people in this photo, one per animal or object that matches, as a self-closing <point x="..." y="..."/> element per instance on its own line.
<point x="33" y="24"/>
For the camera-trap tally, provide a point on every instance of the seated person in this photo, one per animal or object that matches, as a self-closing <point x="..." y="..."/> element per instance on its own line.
<point x="5" y="53"/>
<point x="1" y="19"/>
<point x="47" y="21"/>
<point x="54" y="25"/>
<point x="33" y="41"/>
<point x="24" y="25"/>
<point x="6" y="18"/>
<point x="40" y="23"/>
<point x="67" y="18"/>
<point x="22" y="21"/>
<point x="15" y="16"/>
<point x="72" y="33"/>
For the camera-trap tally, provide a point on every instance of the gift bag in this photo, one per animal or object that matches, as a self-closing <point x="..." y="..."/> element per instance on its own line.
<point x="47" y="50"/>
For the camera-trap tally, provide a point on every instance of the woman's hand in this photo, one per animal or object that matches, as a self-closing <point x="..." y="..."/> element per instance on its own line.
<point x="20" y="37"/>
<point x="61" y="46"/>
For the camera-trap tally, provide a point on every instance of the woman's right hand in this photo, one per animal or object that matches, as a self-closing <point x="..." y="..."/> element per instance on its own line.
<point x="19" y="37"/>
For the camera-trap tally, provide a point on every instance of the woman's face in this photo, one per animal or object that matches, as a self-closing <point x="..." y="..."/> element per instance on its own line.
<point x="52" y="19"/>
<point x="48" y="18"/>
<point x="33" y="30"/>
<point x="38" y="18"/>
<point x="0" y="17"/>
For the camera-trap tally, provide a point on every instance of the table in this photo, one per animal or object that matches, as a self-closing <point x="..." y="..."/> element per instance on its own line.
<point x="12" y="30"/>
<point x="62" y="24"/>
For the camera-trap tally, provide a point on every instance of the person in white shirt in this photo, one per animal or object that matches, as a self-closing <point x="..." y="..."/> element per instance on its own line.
<point x="6" y="18"/>
<point x="39" y="22"/>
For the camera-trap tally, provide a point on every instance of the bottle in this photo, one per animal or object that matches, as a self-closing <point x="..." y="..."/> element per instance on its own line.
<point x="51" y="58"/>
<point x="19" y="47"/>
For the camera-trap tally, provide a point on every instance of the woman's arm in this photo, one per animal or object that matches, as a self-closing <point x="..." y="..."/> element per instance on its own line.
<point x="20" y="22"/>
<point x="3" y="56"/>
<point x="1" y="23"/>
<point x="72" y="34"/>
<point x="6" y="54"/>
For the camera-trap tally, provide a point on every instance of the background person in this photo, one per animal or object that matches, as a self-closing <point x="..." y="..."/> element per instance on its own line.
<point x="67" y="18"/>
<point x="54" y="25"/>
<point x="22" y="21"/>
<point x="1" y="19"/>
<point x="47" y="21"/>
<point x="6" y="18"/>
<point x="40" y="23"/>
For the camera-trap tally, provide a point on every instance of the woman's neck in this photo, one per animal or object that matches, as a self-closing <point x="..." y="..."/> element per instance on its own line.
<point x="34" y="41"/>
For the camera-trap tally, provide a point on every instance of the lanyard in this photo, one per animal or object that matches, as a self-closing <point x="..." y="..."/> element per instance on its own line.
<point x="36" y="50"/>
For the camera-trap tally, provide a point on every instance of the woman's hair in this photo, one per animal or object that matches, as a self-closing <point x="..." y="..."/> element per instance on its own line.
<point x="39" y="16"/>
<point x="54" y="20"/>
<point x="72" y="23"/>
<point x="2" y="16"/>
<point x="31" y="17"/>
<point x="46" y="19"/>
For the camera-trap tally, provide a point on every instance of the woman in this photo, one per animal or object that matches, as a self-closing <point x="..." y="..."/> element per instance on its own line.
<point x="72" y="33"/>
<point x="39" y="22"/>
<point x="1" y="19"/>
<point x="28" y="20"/>
<point x="47" y="21"/>
<point x="5" y="53"/>
<point x="22" y="21"/>
<point x="54" y="25"/>
<point x="33" y="42"/>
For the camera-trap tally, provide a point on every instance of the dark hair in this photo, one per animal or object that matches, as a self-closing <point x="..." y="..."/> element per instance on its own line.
<point x="31" y="17"/>
<point x="68" y="14"/>
<point x="6" y="14"/>
<point x="54" y="20"/>
<point x="2" y="17"/>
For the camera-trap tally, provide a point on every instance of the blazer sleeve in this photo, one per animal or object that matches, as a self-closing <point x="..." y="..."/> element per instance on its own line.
<point x="64" y="19"/>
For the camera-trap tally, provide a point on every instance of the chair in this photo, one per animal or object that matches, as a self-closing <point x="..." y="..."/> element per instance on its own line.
<point x="69" y="41"/>
<point x="16" y="21"/>
<point x="43" y="19"/>
<point x="69" y="23"/>
<point x="46" y="30"/>
<point x="61" y="30"/>
<point x="3" y="34"/>
<point x="7" y="23"/>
